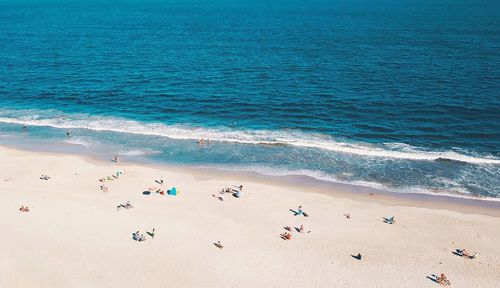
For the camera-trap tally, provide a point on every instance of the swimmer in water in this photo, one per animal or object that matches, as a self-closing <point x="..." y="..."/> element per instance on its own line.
<point x="68" y="133"/>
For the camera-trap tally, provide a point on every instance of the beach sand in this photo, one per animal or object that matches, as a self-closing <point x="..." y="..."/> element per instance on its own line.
<point x="74" y="236"/>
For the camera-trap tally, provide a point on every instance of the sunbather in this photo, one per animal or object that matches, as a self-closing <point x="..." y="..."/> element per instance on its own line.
<point x="218" y="197"/>
<point x="136" y="236"/>
<point x="443" y="280"/>
<point x="389" y="220"/>
<point x="152" y="233"/>
<point x="219" y="245"/>
<point x="299" y="211"/>
<point x="286" y="236"/>
<point x="466" y="254"/>
<point x="127" y="205"/>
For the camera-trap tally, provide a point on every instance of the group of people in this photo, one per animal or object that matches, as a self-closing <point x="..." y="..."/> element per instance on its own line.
<point x="112" y="177"/>
<point x="287" y="235"/>
<point x="237" y="193"/>
<point x="24" y="209"/>
<point x="127" y="205"/>
<point x="44" y="177"/>
<point x="389" y="220"/>
<point x="137" y="236"/>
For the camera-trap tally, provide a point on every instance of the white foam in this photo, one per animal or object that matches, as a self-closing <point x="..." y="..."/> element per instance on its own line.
<point x="224" y="134"/>
<point x="137" y="152"/>
<point x="322" y="176"/>
<point x="83" y="141"/>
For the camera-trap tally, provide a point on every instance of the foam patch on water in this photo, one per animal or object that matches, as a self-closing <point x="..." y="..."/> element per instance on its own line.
<point x="137" y="152"/>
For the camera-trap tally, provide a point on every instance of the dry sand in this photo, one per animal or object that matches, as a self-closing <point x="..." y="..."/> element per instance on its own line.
<point x="74" y="236"/>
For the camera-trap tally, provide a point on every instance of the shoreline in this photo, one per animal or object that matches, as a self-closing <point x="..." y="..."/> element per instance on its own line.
<point x="468" y="205"/>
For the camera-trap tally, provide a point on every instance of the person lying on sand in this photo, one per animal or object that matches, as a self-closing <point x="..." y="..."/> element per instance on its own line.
<point x="138" y="237"/>
<point x="135" y="235"/>
<point x="348" y="216"/>
<point x="218" y="197"/>
<point x="127" y="205"/>
<point x="389" y="220"/>
<point x="44" y="177"/>
<point x="466" y="254"/>
<point x="443" y="280"/>
<point x="152" y="233"/>
<point x="286" y="236"/>
<point x="219" y="245"/>
<point x="299" y="211"/>
<point x="301" y="229"/>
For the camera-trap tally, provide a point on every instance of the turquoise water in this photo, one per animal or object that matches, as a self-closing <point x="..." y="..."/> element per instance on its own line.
<point x="399" y="94"/>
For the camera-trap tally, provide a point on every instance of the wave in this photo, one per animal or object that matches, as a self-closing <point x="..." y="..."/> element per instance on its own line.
<point x="293" y="138"/>
<point x="83" y="141"/>
<point x="137" y="152"/>
<point x="454" y="192"/>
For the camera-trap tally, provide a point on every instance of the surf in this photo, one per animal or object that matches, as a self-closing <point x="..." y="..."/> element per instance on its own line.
<point x="269" y="138"/>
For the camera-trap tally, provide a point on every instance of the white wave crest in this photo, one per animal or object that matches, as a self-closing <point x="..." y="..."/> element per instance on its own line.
<point x="223" y="134"/>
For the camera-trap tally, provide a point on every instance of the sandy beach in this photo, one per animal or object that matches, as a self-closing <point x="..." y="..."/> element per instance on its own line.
<point x="74" y="235"/>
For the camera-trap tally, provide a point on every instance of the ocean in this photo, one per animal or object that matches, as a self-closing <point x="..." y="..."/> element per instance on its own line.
<point x="399" y="95"/>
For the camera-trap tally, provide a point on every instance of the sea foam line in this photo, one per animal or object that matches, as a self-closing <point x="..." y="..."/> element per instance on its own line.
<point x="258" y="137"/>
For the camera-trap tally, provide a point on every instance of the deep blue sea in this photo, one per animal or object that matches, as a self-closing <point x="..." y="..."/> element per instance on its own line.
<point x="403" y="94"/>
